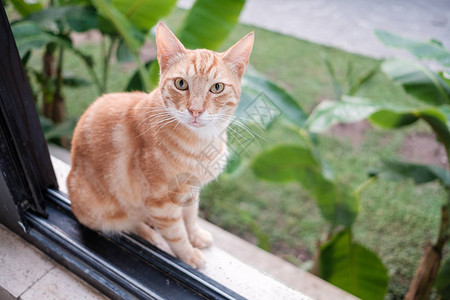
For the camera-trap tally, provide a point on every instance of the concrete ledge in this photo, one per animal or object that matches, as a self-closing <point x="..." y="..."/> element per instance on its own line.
<point x="274" y="266"/>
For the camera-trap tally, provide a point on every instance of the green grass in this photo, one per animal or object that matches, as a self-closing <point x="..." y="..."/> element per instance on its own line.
<point x="396" y="218"/>
<point x="78" y="99"/>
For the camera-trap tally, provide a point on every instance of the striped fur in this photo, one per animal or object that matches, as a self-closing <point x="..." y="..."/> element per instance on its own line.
<point x="128" y="148"/>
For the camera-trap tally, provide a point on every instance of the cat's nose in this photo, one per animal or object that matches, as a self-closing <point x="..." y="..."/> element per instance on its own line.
<point x="195" y="112"/>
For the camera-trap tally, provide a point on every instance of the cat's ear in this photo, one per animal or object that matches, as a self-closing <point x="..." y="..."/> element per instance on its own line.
<point x="168" y="46"/>
<point x="238" y="55"/>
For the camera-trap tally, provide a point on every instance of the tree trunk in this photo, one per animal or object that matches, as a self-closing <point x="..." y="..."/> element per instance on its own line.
<point x="430" y="262"/>
<point x="48" y="73"/>
<point x="58" y="109"/>
<point x="426" y="273"/>
<point x="315" y="269"/>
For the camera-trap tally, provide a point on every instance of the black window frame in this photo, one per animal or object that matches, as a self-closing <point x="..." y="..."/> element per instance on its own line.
<point x="121" y="266"/>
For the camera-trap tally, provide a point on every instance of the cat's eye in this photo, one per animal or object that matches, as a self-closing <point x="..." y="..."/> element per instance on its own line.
<point x="181" y="84"/>
<point x="217" y="88"/>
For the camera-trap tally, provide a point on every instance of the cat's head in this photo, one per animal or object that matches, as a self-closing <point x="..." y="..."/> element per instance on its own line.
<point x="201" y="88"/>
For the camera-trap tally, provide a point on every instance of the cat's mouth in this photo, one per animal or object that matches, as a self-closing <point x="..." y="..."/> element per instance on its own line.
<point x="195" y="123"/>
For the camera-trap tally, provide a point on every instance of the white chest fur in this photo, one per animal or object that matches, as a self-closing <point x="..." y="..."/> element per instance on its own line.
<point x="211" y="162"/>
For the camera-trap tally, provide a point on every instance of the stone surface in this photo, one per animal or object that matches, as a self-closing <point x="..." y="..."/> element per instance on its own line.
<point x="21" y="265"/>
<point x="61" y="284"/>
<point x="271" y="265"/>
<point x="350" y="24"/>
<point x="5" y="295"/>
<point x="27" y="273"/>
<point x="243" y="279"/>
<point x="62" y="170"/>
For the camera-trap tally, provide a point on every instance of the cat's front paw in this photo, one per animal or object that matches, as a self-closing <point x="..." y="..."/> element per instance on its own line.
<point x="195" y="259"/>
<point x="164" y="247"/>
<point x="201" y="238"/>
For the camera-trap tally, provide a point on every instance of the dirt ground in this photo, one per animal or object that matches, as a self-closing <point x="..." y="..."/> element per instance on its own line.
<point x="417" y="147"/>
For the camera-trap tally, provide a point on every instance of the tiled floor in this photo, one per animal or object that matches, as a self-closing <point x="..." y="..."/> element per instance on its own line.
<point x="28" y="274"/>
<point x="5" y="295"/>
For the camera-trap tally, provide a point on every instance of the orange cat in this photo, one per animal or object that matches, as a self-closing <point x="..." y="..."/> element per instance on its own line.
<point x="136" y="157"/>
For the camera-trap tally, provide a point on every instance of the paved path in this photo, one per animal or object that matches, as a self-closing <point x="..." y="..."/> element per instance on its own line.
<point x="350" y="24"/>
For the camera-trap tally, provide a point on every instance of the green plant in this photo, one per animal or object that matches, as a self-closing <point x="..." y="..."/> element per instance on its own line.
<point x="340" y="260"/>
<point x="131" y="22"/>
<point x="123" y="26"/>
<point x="433" y="92"/>
<point x="49" y="28"/>
<point x="53" y="132"/>
<point x="348" y="264"/>
<point x="442" y="283"/>
<point x="352" y="84"/>
<point x="301" y="162"/>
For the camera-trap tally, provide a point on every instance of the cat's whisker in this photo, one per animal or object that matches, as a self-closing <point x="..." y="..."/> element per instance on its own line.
<point x="219" y="131"/>
<point x="250" y="132"/>
<point x="223" y="126"/>
<point x="247" y="131"/>
<point x="161" y="114"/>
<point x="223" y="115"/>
<point x="235" y="137"/>
<point x="245" y="127"/>
<point x="233" y="118"/>
<point x="241" y="118"/>
<point x="144" y="132"/>
<point x="242" y="125"/>
<point x="217" y="128"/>
<point x="152" y="107"/>
<point x="152" y="127"/>
<point x="178" y="123"/>
<point x="151" y="117"/>
<point x="152" y="112"/>
<point x="156" y="133"/>
<point x="160" y="121"/>
<point x="149" y="112"/>
<point x="216" y="131"/>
